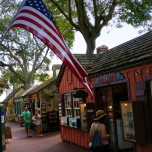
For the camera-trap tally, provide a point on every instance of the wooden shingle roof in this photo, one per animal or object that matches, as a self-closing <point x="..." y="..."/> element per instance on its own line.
<point x="44" y="85"/>
<point x="25" y="92"/>
<point x="134" y="52"/>
<point x="11" y="95"/>
<point x="86" y="61"/>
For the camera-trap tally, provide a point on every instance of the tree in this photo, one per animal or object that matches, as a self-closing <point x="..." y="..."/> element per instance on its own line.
<point x="90" y="16"/>
<point x="25" y="56"/>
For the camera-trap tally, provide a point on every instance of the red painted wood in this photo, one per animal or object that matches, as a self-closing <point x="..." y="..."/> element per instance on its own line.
<point x="72" y="134"/>
<point x="82" y="138"/>
<point x="146" y="147"/>
<point x="67" y="134"/>
<point x="61" y="131"/>
<point x="138" y="148"/>
<point x="76" y="136"/>
<point x="79" y="137"/>
<point x="86" y="136"/>
<point x="150" y="147"/>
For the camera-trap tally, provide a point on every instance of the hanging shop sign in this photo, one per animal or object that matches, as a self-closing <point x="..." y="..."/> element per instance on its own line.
<point x="107" y="78"/>
<point x="34" y="96"/>
<point x="80" y="94"/>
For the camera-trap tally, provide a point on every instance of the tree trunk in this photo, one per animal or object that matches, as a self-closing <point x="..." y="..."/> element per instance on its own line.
<point x="90" y="42"/>
<point x="90" y="37"/>
<point x="90" y="45"/>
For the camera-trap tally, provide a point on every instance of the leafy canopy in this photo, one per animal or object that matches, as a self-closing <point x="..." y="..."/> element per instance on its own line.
<point x="90" y="16"/>
<point x="22" y="55"/>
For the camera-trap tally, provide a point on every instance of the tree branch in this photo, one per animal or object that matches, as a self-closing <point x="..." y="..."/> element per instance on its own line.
<point x="65" y="15"/>
<point x="110" y="14"/>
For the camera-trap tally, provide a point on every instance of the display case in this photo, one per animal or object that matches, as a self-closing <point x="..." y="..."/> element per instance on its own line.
<point x="133" y="121"/>
<point x="76" y="106"/>
<point x="74" y="122"/>
<point x="43" y="113"/>
<point x="68" y="105"/>
<point x="128" y="121"/>
<point x="86" y="113"/>
<point x="84" y="121"/>
<point x="123" y="145"/>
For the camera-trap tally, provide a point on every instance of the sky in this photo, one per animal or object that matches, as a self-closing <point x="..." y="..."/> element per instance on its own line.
<point x="110" y="37"/>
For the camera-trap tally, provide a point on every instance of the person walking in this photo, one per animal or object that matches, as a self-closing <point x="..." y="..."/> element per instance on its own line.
<point x="26" y="118"/>
<point x="99" y="125"/>
<point x="38" y="122"/>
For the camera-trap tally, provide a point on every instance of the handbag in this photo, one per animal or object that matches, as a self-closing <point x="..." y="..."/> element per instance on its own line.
<point x="33" y="118"/>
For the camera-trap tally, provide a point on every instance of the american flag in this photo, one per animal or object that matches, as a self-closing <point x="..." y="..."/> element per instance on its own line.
<point x="35" y="17"/>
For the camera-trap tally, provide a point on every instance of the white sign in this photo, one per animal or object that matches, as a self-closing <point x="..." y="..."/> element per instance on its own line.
<point x="2" y="119"/>
<point x="90" y="110"/>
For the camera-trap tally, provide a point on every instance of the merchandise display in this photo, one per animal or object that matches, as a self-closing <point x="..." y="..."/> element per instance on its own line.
<point x="68" y="106"/>
<point x="63" y="121"/>
<point x="84" y="123"/>
<point x="128" y="121"/>
<point x="53" y="117"/>
<point x="77" y="112"/>
<point x="74" y="122"/>
<point x="76" y="107"/>
<point x="43" y="112"/>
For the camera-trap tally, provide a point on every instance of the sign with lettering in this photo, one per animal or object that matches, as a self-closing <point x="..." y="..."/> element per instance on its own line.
<point x="107" y="78"/>
<point x="34" y="96"/>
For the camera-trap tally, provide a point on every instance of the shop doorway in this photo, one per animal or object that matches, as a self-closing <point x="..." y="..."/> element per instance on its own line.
<point x="109" y="100"/>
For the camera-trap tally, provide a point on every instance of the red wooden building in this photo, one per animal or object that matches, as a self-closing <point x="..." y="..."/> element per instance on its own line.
<point x="122" y="80"/>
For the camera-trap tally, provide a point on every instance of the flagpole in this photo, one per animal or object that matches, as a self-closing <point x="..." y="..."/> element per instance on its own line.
<point x="2" y="37"/>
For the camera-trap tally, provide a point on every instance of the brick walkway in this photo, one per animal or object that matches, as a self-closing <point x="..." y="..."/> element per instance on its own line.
<point x="50" y="142"/>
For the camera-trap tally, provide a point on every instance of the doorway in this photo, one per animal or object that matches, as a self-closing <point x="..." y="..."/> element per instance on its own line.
<point x="109" y="99"/>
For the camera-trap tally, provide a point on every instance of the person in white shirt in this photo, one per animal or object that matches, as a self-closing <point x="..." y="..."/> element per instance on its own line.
<point x="38" y="122"/>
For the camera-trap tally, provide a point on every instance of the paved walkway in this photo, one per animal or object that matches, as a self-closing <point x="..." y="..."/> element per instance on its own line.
<point x="50" y="142"/>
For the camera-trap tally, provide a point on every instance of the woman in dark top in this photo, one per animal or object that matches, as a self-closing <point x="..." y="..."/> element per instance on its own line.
<point x="99" y="125"/>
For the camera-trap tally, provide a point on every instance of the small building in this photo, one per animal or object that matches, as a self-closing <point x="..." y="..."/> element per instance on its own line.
<point x="122" y="81"/>
<point x="20" y="101"/>
<point x="9" y="103"/>
<point x="45" y="97"/>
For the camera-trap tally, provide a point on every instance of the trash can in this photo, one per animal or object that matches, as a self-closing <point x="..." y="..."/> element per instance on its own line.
<point x="2" y="130"/>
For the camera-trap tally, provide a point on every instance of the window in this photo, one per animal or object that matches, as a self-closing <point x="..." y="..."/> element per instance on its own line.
<point x="18" y="108"/>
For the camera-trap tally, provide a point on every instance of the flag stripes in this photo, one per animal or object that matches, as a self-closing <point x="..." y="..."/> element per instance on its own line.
<point x="35" y="18"/>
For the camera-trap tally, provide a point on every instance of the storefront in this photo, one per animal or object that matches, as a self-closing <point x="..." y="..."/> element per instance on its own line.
<point x="110" y="89"/>
<point x="122" y="77"/>
<point x="45" y="98"/>
<point x="75" y="112"/>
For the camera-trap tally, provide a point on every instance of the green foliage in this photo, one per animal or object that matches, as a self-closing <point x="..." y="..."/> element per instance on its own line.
<point x="62" y="23"/>
<point x="90" y="16"/>
<point x="137" y="13"/>
<point x="21" y="53"/>
<point x="48" y="94"/>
